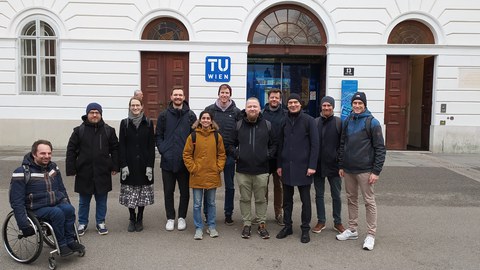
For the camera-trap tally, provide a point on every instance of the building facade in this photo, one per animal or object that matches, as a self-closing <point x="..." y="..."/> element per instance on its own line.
<point x="418" y="61"/>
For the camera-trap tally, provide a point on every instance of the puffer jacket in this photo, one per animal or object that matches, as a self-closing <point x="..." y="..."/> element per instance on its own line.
<point x="226" y="121"/>
<point x="44" y="188"/>
<point x="358" y="152"/>
<point x="204" y="160"/>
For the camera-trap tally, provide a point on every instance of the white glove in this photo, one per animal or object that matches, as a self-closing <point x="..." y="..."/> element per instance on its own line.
<point x="125" y="173"/>
<point x="149" y="173"/>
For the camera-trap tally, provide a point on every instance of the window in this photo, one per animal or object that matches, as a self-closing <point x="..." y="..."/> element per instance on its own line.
<point x="38" y="58"/>
<point x="165" y="29"/>
<point x="411" y="32"/>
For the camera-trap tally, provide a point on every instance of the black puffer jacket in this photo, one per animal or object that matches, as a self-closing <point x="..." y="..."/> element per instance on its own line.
<point x="92" y="157"/>
<point x="173" y="128"/>
<point x="44" y="188"/>
<point x="137" y="151"/>
<point x="226" y="120"/>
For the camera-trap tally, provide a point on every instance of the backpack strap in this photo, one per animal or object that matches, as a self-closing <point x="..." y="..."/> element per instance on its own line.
<point x="239" y="124"/>
<point x="194" y="139"/>
<point x="368" y="126"/>
<point x="338" y="124"/>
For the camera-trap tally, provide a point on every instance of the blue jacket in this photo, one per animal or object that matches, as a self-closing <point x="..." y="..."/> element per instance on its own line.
<point x="358" y="152"/>
<point x="173" y="128"/>
<point x="45" y="188"/>
<point x="298" y="149"/>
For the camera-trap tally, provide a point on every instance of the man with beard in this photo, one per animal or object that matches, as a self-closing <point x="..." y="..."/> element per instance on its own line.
<point x="173" y="127"/>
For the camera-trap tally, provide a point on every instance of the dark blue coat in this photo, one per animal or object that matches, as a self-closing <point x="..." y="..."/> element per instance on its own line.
<point x="277" y="118"/>
<point x="329" y="138"/>
<point x="298" y="149"/>
<point x="172" y="134"/>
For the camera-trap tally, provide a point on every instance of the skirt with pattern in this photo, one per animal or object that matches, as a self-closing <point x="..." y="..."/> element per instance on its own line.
<point x="134" y="196"/>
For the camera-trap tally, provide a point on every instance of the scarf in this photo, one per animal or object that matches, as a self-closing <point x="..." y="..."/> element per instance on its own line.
<point x="136" y="120"/>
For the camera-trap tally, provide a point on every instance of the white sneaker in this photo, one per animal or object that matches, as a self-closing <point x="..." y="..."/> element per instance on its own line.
<point x="347" y="235"/>
<point x="213" y="232"/>
<point x="198" y="234"/>
<point x="182" y="224"/>
<point x="369" y="242"/>
<point x="170" y="225"/>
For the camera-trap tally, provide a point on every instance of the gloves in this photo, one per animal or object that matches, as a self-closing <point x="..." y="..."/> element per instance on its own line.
<point x="29" y="231"/>
<point x="125" y="173"/>
<point x="149" y="173"/>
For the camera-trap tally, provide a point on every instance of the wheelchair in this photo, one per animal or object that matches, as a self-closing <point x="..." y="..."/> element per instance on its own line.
<point x="28" y="249"/>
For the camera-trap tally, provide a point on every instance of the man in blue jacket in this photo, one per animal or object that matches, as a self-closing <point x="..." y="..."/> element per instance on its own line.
<point x="361" y="157"/>
<point x="297" y="162"/>
<point x="38" y="186"/>
<point x="256" y="144"/>
<point x="173" y="127"/>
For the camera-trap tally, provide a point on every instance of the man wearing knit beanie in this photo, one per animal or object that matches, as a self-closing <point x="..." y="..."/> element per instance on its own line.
<point x="361" y="157"/>
<point x="92" y="157"/>
<point x="329" y="132"/>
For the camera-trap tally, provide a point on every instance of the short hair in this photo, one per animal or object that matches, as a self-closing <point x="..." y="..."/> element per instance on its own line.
<point x="37" y="143"/>
<point x="274" y="90"/>
<point x="136" y="92"/>
<point x="177" y="88"/>
<point x="224" y="86"/>
<point x="253" y="98"/>
<point x="134" y="98"/>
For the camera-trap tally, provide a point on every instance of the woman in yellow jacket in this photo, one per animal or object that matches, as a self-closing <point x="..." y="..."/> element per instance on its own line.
<point x="204" y="156"/>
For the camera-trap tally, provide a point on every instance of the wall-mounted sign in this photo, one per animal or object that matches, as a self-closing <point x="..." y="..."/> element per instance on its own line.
<point x="348" y="71"/>
<point x="217" y="69"/>
<point x="349" y="87"/>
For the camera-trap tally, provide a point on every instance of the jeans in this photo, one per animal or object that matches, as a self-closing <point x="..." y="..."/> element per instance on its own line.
<point x="228" y="174"/>
<point x="100" y="208"/>
<point x="288" y="206"/>
<point x="62" y="219"/>
<point x="256" y="185"/>
<point x="209" y="207"/>
<point x="335" y="189"/>
<point x="169" y="181"/>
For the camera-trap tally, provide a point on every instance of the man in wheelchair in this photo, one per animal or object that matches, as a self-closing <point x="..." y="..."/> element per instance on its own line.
<point x="37" y="186"/>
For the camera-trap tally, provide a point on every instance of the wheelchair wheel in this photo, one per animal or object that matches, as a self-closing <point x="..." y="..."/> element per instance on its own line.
<point x="48" y="237"/>
<point x="22" y="249"/>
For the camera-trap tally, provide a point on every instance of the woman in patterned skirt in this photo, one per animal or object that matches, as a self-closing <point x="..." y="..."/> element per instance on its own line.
<point x="137" y="158"/>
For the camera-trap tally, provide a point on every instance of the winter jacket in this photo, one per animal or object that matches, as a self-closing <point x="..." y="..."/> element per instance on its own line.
<point x="277" y="118"/>
<point x="226" y="121"/>
<point x="329" y="141"/>
<point x="44" y="188"/>
<point x="92" y="157"/>
<point x="137" y="151"/>
<point x="358" y="152"/>
<point x="255" y="145"/>
<point x="205" y="159"/>
<point x="171" y="134"/>
<point x="298" y="149"/>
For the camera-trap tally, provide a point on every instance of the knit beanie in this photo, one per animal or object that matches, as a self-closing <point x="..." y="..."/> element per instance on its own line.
<point x="328" y="99"/>
<point x="94" y="106"/>
<point x="360" y="96"/>
<point x="294" y="96"/>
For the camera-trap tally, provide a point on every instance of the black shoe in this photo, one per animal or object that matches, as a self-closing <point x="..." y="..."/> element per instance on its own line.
<point x="228" y="220"/>
<point x="65" y="251"/>
<point x="131" y="226"/>
<point x="262" y="231"/>
<point x="76" y="247"/>
<point x="246" y="232"/>
<point x="284" y="233"/>
<point x="305" y="237"/>
<point x="139" y="226"/>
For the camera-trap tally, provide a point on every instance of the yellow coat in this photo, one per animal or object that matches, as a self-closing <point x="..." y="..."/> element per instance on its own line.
<point x="206" y="162"/>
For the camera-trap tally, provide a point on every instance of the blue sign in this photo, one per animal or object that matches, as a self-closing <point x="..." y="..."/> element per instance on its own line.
<point x="217" y="69"/>
<point x="349" y="87"/>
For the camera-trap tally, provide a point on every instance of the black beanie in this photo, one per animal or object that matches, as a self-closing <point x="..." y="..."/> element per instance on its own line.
<point x="360" y="96"/>
<point x="94" y="106"/>
<point x="328" y="99"/>
<point x="294" y="96"/>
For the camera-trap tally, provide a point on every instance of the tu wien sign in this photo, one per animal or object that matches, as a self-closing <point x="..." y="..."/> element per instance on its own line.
<point x="217" y="69"/>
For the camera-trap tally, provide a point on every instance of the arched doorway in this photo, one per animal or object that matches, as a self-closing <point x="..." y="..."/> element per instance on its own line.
<point x="162" y="71"/>
<point x="408" y="90"/>
<point x="287" y="51"/>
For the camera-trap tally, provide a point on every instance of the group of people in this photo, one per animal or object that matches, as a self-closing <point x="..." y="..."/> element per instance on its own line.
<point x="249" y="145"/>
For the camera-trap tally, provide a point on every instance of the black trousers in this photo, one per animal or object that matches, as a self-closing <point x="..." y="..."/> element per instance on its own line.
<point x="169" y="181"/>
<point x="304" y="192"/>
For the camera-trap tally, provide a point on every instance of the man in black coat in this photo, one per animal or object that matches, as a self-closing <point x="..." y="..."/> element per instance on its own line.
<point x="92" y="156"/>
<point x="297" y="162"/>
<point x="329" y="131"/>
<point x="173" y="127"/>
